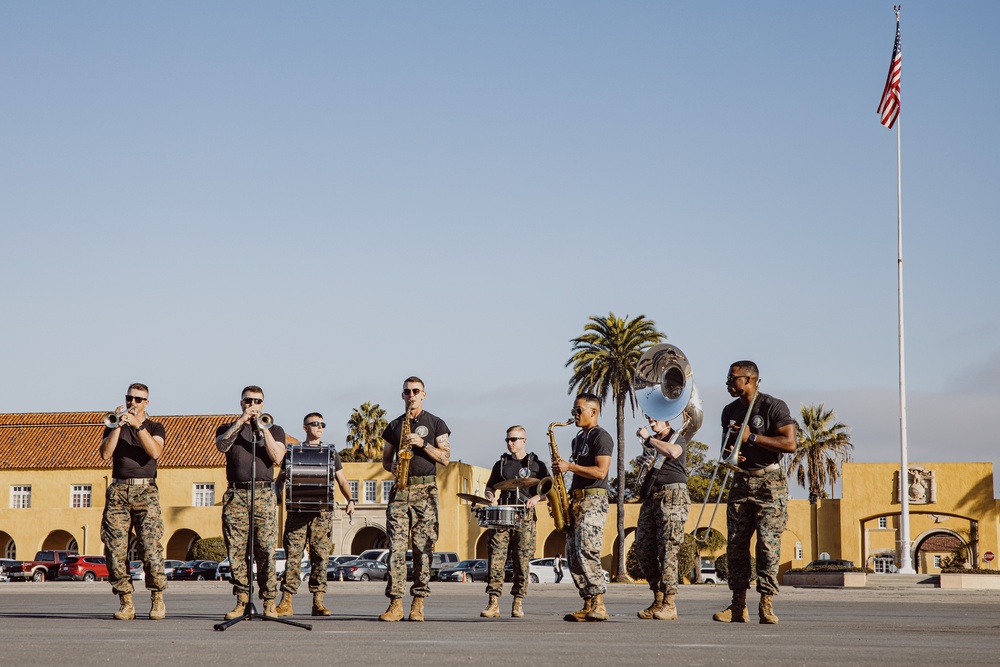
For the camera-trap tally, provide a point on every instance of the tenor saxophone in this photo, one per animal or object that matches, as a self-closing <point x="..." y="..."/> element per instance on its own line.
<point x="405" y="452"/>
<point x="554" y="487"/>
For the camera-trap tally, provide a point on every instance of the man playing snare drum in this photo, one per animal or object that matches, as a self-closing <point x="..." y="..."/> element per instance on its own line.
<point x="515" y="542"/>
<point x="310" y="526"/>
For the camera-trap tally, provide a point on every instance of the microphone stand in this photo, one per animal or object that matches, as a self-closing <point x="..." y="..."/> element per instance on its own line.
<point x="250" y="610"/>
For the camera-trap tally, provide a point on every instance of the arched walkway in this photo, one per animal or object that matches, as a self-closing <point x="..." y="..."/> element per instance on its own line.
<point x="483" y="545"/>
<point x="937" y="542"/>
<point x="180" y="543"/>
<point x="629" y="541"/>
<point x="58" y="539"/>
<point x="555" y="543"/>
<point x="7" y="546"/>
<point x="369" y="537"/>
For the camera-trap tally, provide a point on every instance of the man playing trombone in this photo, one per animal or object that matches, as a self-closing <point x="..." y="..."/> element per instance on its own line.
<point x="758" y="499"/>
<point x="134" y="443"/>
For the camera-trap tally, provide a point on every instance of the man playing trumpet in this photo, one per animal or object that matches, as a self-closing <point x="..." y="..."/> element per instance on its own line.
<point x="134" y="443"/>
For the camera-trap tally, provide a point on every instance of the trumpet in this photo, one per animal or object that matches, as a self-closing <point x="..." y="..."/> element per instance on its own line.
<point x="114" y="419"/>
<point x="262" y="421"/>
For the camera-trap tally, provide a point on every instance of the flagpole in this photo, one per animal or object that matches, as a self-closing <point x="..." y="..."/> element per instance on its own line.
<point x="905" y="564"/>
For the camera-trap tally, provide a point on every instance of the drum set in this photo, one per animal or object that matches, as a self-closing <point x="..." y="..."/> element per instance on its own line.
<point x="310" y="478"/>
<point x="498" y="517"/>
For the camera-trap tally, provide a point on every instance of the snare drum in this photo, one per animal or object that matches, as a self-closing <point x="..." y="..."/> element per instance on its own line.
<point x="501" y="516"/>
<point x="309" y="478"/>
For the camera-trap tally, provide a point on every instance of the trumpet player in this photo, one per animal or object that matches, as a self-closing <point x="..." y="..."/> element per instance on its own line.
<point x="252" y="446"/>
<point x="134" y="443"/>
<point x="412" y="512"/>
<point x="758" y="498"/>
<point x="664" y="511"/>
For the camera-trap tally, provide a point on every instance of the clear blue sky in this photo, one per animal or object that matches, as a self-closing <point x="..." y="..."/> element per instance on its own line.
<point x="326" y="197"/>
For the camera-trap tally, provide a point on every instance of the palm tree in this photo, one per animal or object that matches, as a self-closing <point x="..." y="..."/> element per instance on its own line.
<point x="604" y="360"/>
<point x="365" y="432"/>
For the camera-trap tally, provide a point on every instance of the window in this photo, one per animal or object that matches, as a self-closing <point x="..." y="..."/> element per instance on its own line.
<point x="798" y="551"/>
<point x="20" y="497"/>
<point x="883" y="564"/>
<point x="10" y="551"/>
<point x="354" y="491"/>
<point x="80" y="495"/>
<point x="72" y="545"/>
<point x="937" y="561"/>
<point x="370" y="487"/>
<point x="387" y="489"/>
<point x="883" y="522"/>
<point x="204" y="494"/>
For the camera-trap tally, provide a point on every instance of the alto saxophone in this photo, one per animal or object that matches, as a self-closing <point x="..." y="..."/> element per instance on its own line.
<point x="554" y="487"/>
<point x="404" y="453"/>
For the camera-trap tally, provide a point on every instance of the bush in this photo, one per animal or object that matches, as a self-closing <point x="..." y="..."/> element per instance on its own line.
<point x="208" y="548"/>
<point x="722" y="567"/>
<point x="632" y="567"/>
<point x="962" y="570"/>
<point x="832" y="568"/>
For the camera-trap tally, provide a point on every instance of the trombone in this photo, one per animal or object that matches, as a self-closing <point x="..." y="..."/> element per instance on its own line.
<point x="729" y="459"/>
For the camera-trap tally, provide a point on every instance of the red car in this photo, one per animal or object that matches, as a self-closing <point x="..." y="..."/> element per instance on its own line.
<point x="83" y="568"/>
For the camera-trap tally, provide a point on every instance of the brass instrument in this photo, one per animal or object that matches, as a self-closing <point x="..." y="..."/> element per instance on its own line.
<point x="263" y="421"/>
<point x="664" y="388"/>
<point x="554" y="487"/>
<point x="114" y="419"/>
<point x="404" y="453"/>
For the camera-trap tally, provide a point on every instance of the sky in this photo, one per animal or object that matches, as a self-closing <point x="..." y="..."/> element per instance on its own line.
<point x="323" y="198"/>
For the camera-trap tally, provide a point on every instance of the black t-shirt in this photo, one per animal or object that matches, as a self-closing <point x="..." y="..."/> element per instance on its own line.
<point x="672" y="471"/>
<point x="769" y="414"/>
<point x="510" y="468"/>
<point x="428" y="427"/>
<point x="587" y="446"/>
<point x="239" y="458"/>
<point x="130" y="459"/>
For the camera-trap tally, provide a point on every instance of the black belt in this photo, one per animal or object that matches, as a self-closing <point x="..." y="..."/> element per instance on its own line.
<point x="247" y="485"/>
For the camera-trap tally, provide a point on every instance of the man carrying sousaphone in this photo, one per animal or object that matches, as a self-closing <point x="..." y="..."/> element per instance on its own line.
<point x="420" y="440"/>
<point x="513" y="475"/>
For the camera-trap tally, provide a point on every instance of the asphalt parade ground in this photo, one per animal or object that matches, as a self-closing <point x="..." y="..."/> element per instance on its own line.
<point x="64" y="623"/>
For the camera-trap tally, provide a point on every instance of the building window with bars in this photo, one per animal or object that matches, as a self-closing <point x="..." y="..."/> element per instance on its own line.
<point x="798" y="551"/>
<point x="354" y="491"/>
<point x="883" y="522"/>
<point x="370" y="492"/>
<point x="204" y="494"/>
<point x="80" y="496"/>
<point x="387" y="489"/>
<point x="20" y="497"/>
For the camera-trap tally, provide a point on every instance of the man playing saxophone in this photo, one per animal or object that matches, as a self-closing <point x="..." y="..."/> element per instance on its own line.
<point x="659" y="533"/>
<point x="517" y="543"/>
<point x="412" y="512"/>
<point x="590" y="462"/>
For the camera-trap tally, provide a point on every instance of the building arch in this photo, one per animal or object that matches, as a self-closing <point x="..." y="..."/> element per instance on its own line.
<point x="629" y="541"/>
<point x="946" y="540"/>
<point x="367" y="537"/>
<point x="180" y="543"/>
<point x="58" y="539"/>
<point x="7" y="546"/>
<point x="555" y="543"/>
<point x="483" y="545"/>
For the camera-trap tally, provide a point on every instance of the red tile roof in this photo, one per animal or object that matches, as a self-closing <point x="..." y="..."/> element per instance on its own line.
<point x="55" y="440"/>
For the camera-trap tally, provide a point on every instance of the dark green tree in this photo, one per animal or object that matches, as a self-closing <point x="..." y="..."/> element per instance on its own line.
<point x="364" y="434"/>
<point x="824" y="445"/>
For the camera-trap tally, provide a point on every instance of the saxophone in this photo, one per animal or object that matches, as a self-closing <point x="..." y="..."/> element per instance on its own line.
<point x="405" y="452"/>
<point x="554" y="487"/>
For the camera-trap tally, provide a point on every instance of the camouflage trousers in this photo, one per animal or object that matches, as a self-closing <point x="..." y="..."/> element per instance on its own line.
<point x="235" y="532"/>
<point x="312" y="528"/>
<point x="519" y="545"/>
<point x="659" y="536"/>
<point x="756" y="504"/>
<point x="127" y="507"/>
<point x="412" y="515"/>
<point x="584" y="541"/>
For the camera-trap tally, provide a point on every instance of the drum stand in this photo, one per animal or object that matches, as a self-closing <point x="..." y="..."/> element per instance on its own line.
<point x="250" y="611"/>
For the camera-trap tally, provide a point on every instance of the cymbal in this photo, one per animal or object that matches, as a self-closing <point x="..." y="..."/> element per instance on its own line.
<point x="473" y="498"/>
<point x="519" y="483"/>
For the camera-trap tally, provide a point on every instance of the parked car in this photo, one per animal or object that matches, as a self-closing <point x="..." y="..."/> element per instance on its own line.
<point x="440" y="560"/>
<point x="170" y="565"/>
<point x="709" y="575"/>
<point x="331" y="564"/>
<point x="470" y="570"/>
<point x="196" y="570"/>
<point x="540" y="570"/>
<point x="83" y="568"/>
<point x="9" y="566"/>
<point x="359" y="570"/>
<point x="135" y="569"/>
<point x="381" y="555"/>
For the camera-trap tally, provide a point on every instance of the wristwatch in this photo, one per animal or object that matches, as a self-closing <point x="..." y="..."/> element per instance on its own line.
<point x="752" y="439"/>
<point x="142" y="427"/>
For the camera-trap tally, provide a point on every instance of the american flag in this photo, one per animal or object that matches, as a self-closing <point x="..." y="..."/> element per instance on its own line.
<point x="888" y="108"/>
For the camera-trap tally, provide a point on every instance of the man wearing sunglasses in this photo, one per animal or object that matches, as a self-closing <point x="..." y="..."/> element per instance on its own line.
<point x="252" y="449"/>
<point x="312" y="527"/>
<point x="758" y="497"/>
<point x="132" y="501"/>
<point x="516" y="542"/>
<point x="588" y="507"/>
<point x="412" y="513"/>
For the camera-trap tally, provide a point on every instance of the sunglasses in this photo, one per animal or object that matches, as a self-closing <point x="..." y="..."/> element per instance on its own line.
<point x="580" y="411"/>
<point x="512" y="439"/>
<point x="730" y="379"/>
<point x="253" y="401"/>
<point x="135" y="399"/>
<point x="316" y="424"/>
<point x="411" y="392"/>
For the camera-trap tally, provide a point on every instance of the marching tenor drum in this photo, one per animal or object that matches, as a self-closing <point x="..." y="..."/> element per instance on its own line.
<point x="309" y="478"/>
<point x="501" y="516"/>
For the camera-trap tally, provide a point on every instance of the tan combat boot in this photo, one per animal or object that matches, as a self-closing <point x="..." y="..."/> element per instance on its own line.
<point x="668" y="612"/>
<point x="736" y="612"/>
<point x="580" y="616"/>
<point x="394" y="612"/>
<point x="240" y="608"/>
<point x="648" y="612"/>
<point x="157" y="610"/>
<point x="597" y="610"/>
<point x="492" y="609"/>
<point x="516" y="610"/>
<point x="127" y="610"/>
<point x="319" y="609"/>
<point x="417" y="609"/>
<point x="766" y="611"/>
<point x="284" y="607"/>
<point x="269" y="609"/>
